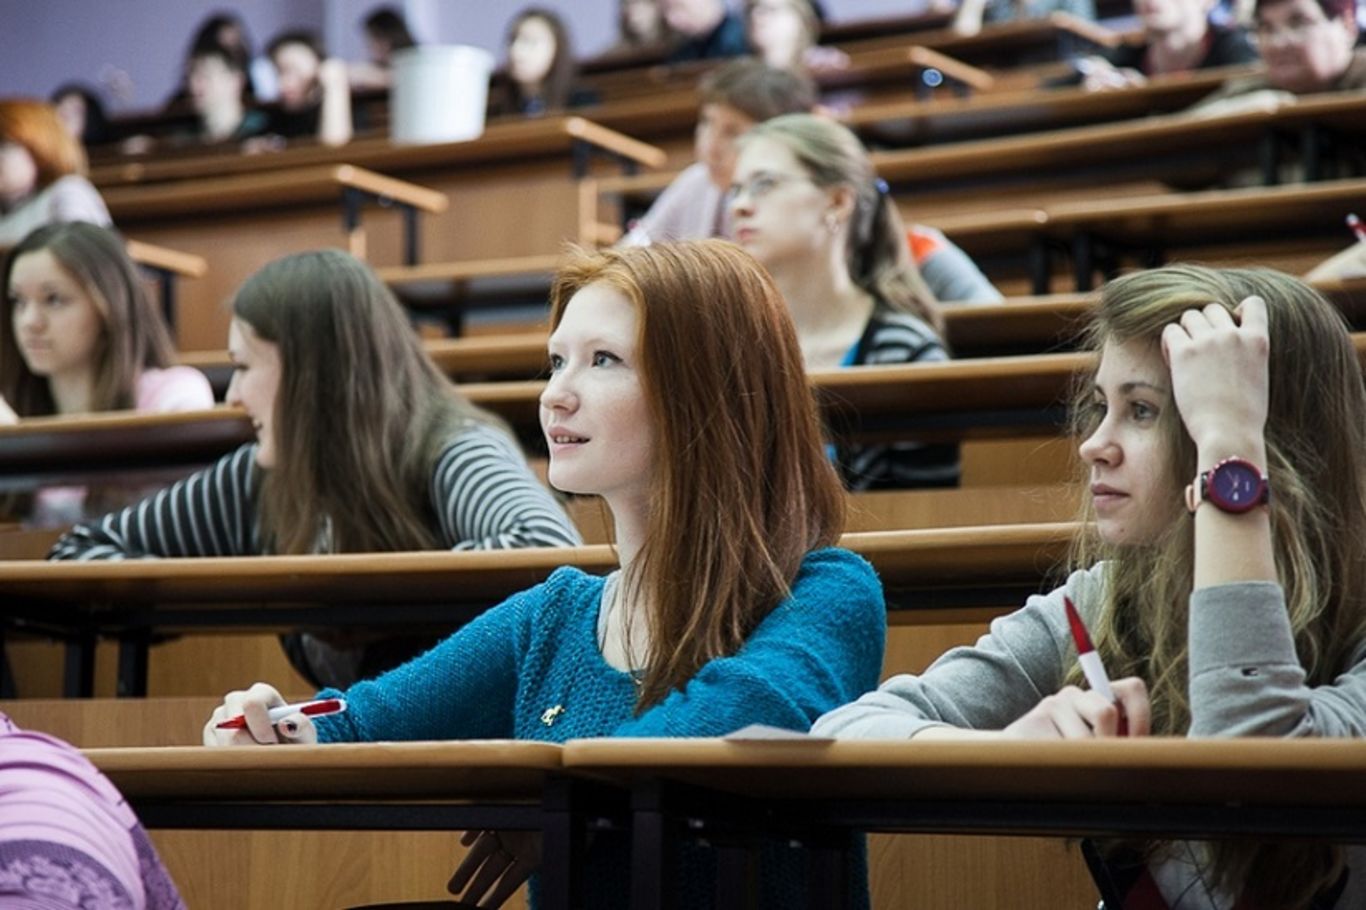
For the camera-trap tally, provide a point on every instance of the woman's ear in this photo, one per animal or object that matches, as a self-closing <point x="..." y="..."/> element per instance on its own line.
<point x="843" y="199"/>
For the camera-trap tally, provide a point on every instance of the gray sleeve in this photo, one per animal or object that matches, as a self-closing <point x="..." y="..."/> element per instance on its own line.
<point x="1023" y="658"/>
<point x="486" y="497"/>
<point x="1246" y="678"/>
<point x="955" y="278"/>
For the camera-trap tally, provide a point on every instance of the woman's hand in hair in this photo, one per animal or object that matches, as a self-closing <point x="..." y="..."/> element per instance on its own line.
<point x="1219" y="369"/>
<point x="496" y="866"/>
<point x="1074" y="713"/>
<point x="7" y="416"/>
<point x="253" y="704"/>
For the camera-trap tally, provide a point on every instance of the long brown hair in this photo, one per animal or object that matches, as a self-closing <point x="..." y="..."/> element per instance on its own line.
<point x="878" y="253"/>
<point x="743" y="487"/>
<point x="135" y="337"/>
<point x="361" y="416"/>
<point x="1315" y="440"/>
<point x="558" y="84"/>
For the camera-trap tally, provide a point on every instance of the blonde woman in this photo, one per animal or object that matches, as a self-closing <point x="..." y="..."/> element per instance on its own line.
<point x="1226" y="582"/>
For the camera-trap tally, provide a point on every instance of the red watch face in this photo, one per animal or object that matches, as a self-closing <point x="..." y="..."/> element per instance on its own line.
<point x="1235" y="486"/>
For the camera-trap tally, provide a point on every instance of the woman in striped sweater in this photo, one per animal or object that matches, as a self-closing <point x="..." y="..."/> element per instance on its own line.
<point x="362" y="446"/>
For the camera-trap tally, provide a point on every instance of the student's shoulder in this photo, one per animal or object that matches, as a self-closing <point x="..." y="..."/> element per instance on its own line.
<point x="839" y="574"/>
<point x="895" y="336"/>
<point x="476" y="439"/>
<point x="565" y="597"/>
<point x="174" y="388"/>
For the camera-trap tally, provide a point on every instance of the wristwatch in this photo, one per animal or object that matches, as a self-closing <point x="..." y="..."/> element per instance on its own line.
<point x="1234" y="485"/>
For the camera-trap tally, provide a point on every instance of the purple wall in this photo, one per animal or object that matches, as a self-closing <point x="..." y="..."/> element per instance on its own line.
<point x="46" y="43"/>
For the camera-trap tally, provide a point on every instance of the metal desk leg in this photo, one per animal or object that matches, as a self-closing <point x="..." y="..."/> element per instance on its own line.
<point x="78" y="678"/>
<point x="1083" y="261"/>
<point x="1039" y="266"/>
<point x="7" y="686"/>
<point x="737" y="876"/>
<point x="651" y="853"/>
<point x="827" y="876"/>
<point x="133" y="657"/>
<point x="411" y="239"/>
<point x="563" y="844"/>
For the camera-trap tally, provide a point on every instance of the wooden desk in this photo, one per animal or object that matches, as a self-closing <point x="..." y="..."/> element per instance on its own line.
<point x="410" y="786"/>
<point x="948" y="575"/>
<point x="487" y="184"/>
<point x="1281" y="227"/>
<point x="572" y="139"/>
<point x="347" y="184"/>
<point x="803" y="791"/>
<point x="985" y="398"/>
<point x="911" y="122"/>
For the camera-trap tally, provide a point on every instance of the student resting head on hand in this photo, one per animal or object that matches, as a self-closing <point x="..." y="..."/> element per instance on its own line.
<point x="731" y="606"/>
<point x="1233" y="607"/>
<point x="362" y="445"/>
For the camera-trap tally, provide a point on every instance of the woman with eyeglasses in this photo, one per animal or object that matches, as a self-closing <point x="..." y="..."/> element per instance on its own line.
<point x="806" y="203"/>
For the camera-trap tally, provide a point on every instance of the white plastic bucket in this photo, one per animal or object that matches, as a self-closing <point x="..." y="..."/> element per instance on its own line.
<point x="439" y="93"/>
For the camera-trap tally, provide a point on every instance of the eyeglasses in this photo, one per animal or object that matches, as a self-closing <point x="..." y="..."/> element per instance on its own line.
<point x="761" y="184"/>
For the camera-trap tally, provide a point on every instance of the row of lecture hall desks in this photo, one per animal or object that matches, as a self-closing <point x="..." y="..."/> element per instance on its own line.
<point x="1051" y="190"/>
<point x="378" y="817"/>
<point x="459" y="225"/>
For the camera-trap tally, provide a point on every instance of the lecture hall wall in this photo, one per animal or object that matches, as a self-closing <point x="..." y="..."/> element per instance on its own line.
<point x="53" y="41"/>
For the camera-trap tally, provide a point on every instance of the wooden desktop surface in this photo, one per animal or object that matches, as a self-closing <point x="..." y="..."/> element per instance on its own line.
<point x="501" y="143"/>
<point x="1170" y="771"/>
<point x="1176" y="771"/>
<point x="278" y="588"/>
<point x="482" y="769"/>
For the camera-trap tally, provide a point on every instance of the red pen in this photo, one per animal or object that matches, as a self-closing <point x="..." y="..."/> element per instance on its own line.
<point x="1356" y="227"/>
<point x="307" y="708"/>
<point x="1091" y="666"/>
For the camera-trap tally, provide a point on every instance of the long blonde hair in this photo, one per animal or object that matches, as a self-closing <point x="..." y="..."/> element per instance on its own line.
<point x="878" y="252"/>
<point x="1315" y="442"/>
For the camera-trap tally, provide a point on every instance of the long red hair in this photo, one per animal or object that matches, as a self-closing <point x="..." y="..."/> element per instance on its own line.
<point x="743" y="487"/>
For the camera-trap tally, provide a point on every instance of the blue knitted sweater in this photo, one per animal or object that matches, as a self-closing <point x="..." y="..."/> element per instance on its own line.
<point x="503" y="675"/>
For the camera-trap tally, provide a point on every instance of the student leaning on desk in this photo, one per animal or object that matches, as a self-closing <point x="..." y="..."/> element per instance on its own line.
<point x="362" y="446"/>
<point x="1233" y="607"/>
<point x="731" y="607"/>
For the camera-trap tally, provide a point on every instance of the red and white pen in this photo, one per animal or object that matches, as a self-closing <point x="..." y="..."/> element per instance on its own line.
<point x="1356" y="227"/>
<point x="319" y="708"/>
<point x="1091" y="666"/>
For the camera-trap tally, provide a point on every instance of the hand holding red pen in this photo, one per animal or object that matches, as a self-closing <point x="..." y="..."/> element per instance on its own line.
<point x="254" y="705"/>
<point x="1118" y="708"/>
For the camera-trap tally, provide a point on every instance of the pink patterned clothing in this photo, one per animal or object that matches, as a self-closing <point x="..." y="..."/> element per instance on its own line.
<point x="67" y="837"/>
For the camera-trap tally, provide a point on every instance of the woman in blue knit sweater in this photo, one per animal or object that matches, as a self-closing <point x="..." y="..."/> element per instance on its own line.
<point x="677" y="395"/>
